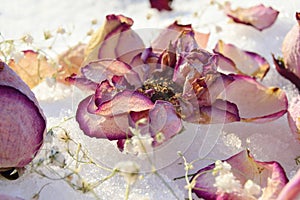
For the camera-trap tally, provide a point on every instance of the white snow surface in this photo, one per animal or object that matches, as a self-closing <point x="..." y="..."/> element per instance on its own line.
<point x="267" y="142"/>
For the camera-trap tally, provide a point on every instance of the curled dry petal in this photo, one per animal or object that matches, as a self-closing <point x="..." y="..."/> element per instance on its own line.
<point x="256" y="102"/>
<point x="259" y="17"/>
<point x="22" y="123"/>
<point x="114" y="39"/>
<point x="32" y="68"/>
<point x="289" y="66"/>
<point x="235" y="60"/>
<point x="291" y="190"/>
<point x="294" y="117"/>
<point x="244" y="167"/>
<point x="161" y="4"/>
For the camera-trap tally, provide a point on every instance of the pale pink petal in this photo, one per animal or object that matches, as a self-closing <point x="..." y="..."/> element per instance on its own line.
<point x="291" y="191"/>
<point x="256" y="102"/>
<point x="163" y="119"/>
<point x="243" y="167"/>
<point x="112" y="127"/>
<point x="260" y="17"/>
<point x="294" y="117"/>
<point x="245" y="62"/>
<point x="123" y="103"/>
<point x="114" y="40"/>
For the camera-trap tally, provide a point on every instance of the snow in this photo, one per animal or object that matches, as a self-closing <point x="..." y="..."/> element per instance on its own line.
<point x="269" y="141"/>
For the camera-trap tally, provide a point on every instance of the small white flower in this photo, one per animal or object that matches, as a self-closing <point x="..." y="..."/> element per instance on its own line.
<point x="221" y="167"/>
<point x="129" y="170"/>
<point x="142" y="144"/>
<point x="227" y="183"/>
<point x="252" y="188"/>
<point x="27" y="38"/>
<point x="17" y="56"/>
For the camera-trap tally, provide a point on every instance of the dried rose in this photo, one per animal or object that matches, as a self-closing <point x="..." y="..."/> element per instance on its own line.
<point x="22" y="123"/>
<point x="291" y="190"/>
<point x="161" y="4"/>
<point x="259" y="17"/>
<point x="294" y="117"/>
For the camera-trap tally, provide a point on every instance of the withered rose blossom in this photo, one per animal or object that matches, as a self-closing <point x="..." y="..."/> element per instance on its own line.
<point x="170" y="81"/>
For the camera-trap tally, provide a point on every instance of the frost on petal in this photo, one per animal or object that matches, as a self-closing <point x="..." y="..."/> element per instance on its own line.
<point x="294" y="117"/>
<point x="260" y="17"/>
<point x="243" y="167"/>
<point x="32" y="68"/>
<point x="161" y="4"/>
<point x="22" y="123"/>
<point x="114" y="39"/>
<point x="255" y="102"/>
<point x="240" y="62"/>
<point x="291" y="190"/>
<point x="112" y="127"/>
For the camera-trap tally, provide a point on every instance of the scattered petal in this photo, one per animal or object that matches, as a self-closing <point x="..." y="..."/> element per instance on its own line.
<point x="235" y="60"/>
<point x="161" y="4"/>
<point x="260" y="17"/>
<point x="32" y="68"/>
<point x="291" y="190"/>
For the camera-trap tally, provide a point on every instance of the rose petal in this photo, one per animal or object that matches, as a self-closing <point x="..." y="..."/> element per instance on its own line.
<point x="285" y="72"/>
<point x="106" y="69"/>
<point x="124" y="102"/>
<point x="161" y="4"/>
<point x="291" y="190"/>
<point x="114" y="40"/>
<point x="112" y="128"/>
<point x="70" y="62"/>
<point x="32" y="69"/>
<point x="22" y="123"/>
<point x="259" y="17"/>
<point x="243" y="167"/>
<point x="163" y="119"/>
<point x="244" y="62"/>
<point x="256" y="103"/>
<point x="294" y="117"/>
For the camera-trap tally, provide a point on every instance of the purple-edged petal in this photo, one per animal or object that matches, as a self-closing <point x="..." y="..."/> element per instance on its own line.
<point x="259" y="17"/>
<point x="291" y="191"/>
<point x="244" y="167"/>
<point x="285" y="72"/>
<point x="239" y="61"/>
<point x="112" y="128"/>
<point x="114" y="40"/>
<point x="256" y="103"/>
<point x="22" y="122"/>
<point x="294" y="117"/>
<point x="161" y="4"/>
<point x="164" y="120"/>
<point x="123" y="103"/>
<point x="107" y="69"/>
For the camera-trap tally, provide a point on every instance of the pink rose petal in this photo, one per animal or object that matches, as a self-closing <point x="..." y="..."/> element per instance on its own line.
<point x="241" y="62"/>
<point x="161" y="4"/>
<point x="291" y="191"/>
<point x="256" y="103"/>
<point x="243" y="167"/>
<point x="259" y="17"/>
<point x="294" y="117"/>
<point x="22" y="122"/>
